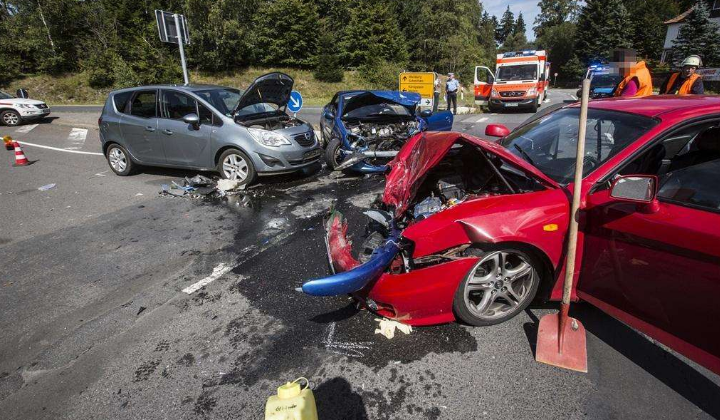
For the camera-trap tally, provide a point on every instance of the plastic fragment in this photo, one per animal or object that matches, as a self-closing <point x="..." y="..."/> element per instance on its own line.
<point x="47" y="187"/>
<point x="387" y="327"/>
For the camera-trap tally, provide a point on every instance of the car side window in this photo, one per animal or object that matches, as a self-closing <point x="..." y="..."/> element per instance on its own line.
<point x="144" y="104"/>
<point x="176" y="105"/>
<point x="120" y="100"/>
<point x="206" y="116"/>
<point x="695" y="186"/>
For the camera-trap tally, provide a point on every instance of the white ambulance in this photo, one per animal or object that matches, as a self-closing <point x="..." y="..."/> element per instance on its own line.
<point x="520" y="80"/>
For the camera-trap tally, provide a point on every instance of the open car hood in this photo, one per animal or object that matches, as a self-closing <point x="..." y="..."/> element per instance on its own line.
<point x="409" y="100"/>
<point x="273" y="88"/>
<point x="425" y="150"/>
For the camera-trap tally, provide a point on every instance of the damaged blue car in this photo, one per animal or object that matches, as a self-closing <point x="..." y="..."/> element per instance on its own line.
<point x="363" y="129"/>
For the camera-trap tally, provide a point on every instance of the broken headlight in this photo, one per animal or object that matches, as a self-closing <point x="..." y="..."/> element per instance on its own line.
<point x="268" y="138"/>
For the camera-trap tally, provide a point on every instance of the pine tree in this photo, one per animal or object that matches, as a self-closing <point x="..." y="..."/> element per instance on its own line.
<point x="603" y="26"/>
<point x="498" y="30"/>
<point x="648" y="30"/>
<point x="287" y="41"/>
<point x="373" y="30"/>
<point x="519" y="25"/>
<point x="553" y="13"/>
<point x="698" y="36"/>
<point x="329" y="65"/>
<point x="507" y="25"/>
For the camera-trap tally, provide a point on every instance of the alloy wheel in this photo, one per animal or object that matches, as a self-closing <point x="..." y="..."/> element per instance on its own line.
<point x="235" y="167"/>
<point x="118" y="160"/>
<point x="499" y="283"/>
<point x="11" y="118"/>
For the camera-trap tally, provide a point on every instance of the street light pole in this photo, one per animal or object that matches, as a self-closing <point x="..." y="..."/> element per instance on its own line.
<point x="182" y="48"/>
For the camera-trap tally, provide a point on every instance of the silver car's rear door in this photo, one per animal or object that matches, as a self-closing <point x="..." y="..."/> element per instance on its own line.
<point x="139" y="128"/>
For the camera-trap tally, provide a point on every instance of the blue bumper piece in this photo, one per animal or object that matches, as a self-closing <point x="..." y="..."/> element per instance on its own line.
<point x="357" y="278"/>
<point x="366" y="168"/>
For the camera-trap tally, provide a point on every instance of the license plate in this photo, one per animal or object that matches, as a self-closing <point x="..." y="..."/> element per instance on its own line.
<point x="45" y="111"/>
<point x="313" y="153"/>
<point x="510" y="104"/>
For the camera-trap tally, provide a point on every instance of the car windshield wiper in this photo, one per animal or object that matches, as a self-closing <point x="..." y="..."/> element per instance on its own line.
<point x="527" y="157"/>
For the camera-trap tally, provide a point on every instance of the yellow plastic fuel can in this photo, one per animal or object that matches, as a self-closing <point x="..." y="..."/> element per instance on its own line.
<point x="292" y="403"/>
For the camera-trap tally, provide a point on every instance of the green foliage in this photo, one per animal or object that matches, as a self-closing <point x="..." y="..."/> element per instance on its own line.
<point x="286" y="33"/>
<point x="519" y="25"/>
<point x="381" y="73"/>
<point x="573" y="70"/>
<point x="648" y="30"/>
<point x="603" y="26"/>
<point x="553" y="13"/>
<point x="698" y="36"/>
<point x="329" y="65"/>
<point x="559" y="42"/>
<point x="507" y="25"/>
<point x="516" y="42"/>
<point x="373" y="33"/>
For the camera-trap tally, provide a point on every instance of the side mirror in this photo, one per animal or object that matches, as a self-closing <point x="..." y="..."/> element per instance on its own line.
<point x="328" y="114"/>
<point x="425" y="113"/>
<point x="192" y="119"/>
<point x="635" y="188"/>
<point x="496" y="130"/>
<point x="22" y="93"/>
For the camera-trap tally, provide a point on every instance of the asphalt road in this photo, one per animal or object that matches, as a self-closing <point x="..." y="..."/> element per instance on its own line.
<point x="95" y="323"/>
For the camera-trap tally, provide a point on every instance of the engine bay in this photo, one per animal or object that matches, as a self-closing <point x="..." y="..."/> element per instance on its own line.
<point x="380" y="136"/>
<point x="466" y="173"/>
<point x="275" y="121"/>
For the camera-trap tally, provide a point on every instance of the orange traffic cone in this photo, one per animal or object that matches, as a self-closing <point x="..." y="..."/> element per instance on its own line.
<point x="8" y="143"/>
<point x="20" y="159"/>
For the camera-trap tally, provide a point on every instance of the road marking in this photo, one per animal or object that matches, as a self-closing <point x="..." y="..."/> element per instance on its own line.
<point x="483" y="119"/>
<point x="77" y="138"/>
<point x="574" y="98"/>
<point x="59" y="149"/>
<point x="102" y="173"/>
<point x="26" y="128"/>
<point x="343" y="348"/>
<point x="218" y="272"/>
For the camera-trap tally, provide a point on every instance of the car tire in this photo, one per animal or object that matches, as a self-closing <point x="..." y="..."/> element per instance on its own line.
<point x="236" y="165"/>
<point x="535" y="105"/>
<point x="493" y="108"/>
<point x="10" y="118"/>
<point x="119" y="160"/>
<point x="332" y="153"/>
<point x="485" y="299"/>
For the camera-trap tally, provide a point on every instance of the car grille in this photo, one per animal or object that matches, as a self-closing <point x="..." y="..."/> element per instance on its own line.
<point x="512" y="94"/>
<point x="41" y="106"/>
<point x="305" y="139"/>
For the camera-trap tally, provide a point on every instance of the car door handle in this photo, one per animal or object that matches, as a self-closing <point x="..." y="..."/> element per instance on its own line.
<point x="168" y="132"/>
<point x="149" y="129"/>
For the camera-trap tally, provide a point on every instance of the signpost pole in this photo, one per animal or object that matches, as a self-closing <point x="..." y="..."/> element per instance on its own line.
<point x="180" y="32"/>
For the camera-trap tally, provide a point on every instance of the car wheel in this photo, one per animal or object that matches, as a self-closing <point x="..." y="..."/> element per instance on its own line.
<point x="499" y="286"/>
<point x="333" y="153"/>
<point x="10" y="118"/>
<point x="119" y="160"/>
<point x="237" y="166"/>
<point x="493" y="108"/>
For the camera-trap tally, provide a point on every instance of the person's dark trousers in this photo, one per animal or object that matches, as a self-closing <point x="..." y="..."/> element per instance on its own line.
<point x="452" y="99"/>
<point x="436" y="100"/>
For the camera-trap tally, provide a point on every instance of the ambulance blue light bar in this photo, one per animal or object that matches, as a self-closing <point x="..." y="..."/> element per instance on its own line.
<point x="525" y="53"/>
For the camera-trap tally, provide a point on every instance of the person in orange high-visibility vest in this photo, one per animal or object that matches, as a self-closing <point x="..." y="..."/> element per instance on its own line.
<point x="637" y="82"/>
<point x="686" y="81"/>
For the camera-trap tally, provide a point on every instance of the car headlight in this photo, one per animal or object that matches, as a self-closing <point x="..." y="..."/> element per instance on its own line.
<point x="268" y="138"/>
<point x="494" y="93"/>
<point x="531" y="92"/>
<point x="24" y="106"/>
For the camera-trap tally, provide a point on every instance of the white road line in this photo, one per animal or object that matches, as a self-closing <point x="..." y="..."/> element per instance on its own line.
<point x="24" y="143"/>
<point x="574" y="98"/>
<point x="26" y="128"/>
<point x="77" y="137"/>
<point x="218" y="272"/>
<point x="483" y="119"/>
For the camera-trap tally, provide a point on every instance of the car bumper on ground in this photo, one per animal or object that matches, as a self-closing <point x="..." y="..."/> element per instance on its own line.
<point x="422" y="296"/>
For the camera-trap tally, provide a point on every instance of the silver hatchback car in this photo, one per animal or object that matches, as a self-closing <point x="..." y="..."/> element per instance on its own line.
<point x="240" y="134"/>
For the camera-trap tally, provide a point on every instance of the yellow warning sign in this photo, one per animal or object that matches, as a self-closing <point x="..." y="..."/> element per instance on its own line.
<point x="422" y="83"/>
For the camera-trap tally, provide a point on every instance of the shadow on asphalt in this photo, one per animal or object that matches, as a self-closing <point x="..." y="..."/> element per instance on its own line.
<point x="658" y="362"/>
<point x="335" y="399"/>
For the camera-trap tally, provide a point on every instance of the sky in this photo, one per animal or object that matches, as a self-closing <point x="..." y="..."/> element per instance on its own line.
<point x="529" y="9"/>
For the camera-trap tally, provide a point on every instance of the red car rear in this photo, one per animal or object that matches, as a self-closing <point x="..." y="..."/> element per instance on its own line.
<point x="475" y="230"/>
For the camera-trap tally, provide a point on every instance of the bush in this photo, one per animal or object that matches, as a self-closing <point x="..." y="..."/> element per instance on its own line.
<point x="329" y="67"/>
<point x="381" y="73"/>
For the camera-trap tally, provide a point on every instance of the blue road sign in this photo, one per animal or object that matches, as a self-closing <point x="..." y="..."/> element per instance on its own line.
<point x="295" y="102"/>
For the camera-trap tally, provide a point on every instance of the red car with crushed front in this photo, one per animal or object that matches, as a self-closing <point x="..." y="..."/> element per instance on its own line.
<point x="475" y="230"/>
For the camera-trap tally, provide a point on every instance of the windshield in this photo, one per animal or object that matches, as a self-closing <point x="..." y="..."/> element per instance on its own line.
<point x="550" y="143"/>
<point x="518" y="72"/>
<point x="224" y="100"/>
<point x="4" y="95"/>
<point x="605" y="81"/>
<point x="378" y="111"/>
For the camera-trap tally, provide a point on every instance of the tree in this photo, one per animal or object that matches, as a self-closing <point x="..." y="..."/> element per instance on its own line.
<point x="286" y="33"/>
<point x="329" y="66"/>
<point x="373" y="30"/>
<point x="603" y="26"/>
<point x="559" y="42"/>
<point x="515" y="42"/>
<point x="698" y="36"/>
<point x="648" y="31"/>
<point x="519" y="25"/>
<point x="507" y="25"/>
<point x="553" y="13"/>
